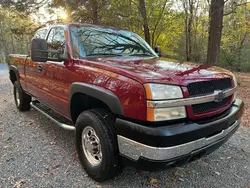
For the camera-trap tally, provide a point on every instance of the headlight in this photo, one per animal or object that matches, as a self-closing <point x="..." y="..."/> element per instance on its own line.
<point x="164" y="114"/>
<point x="162" y="92"/>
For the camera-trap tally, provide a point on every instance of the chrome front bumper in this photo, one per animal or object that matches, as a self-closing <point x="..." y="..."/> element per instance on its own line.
<point x="134" y="150"/>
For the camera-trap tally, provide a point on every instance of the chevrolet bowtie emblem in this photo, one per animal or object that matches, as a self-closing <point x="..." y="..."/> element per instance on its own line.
<point x="219" y="95"/>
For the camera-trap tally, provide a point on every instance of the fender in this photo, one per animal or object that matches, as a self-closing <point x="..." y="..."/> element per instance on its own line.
<point x="14" y="68"/>
<point x="109" y="98"/>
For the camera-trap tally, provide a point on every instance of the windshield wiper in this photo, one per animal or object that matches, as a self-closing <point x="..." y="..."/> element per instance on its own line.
<point x="150" y="55"/>
<point x="103" y="54"/>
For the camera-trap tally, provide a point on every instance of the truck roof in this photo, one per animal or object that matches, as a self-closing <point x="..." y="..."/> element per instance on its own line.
<point x="84" y="24"/>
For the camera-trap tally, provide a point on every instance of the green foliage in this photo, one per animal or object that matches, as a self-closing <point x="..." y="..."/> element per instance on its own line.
<point x="15" y="29"/>
<point x="166" y="22"/>
<point x="235" y="48"/>
<point x="171" y="37"/>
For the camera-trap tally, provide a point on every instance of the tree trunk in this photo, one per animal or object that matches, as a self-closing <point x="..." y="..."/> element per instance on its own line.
<point x="143" y="11"/>
<point x="188" y="6"/>
<point x="95" y="15"/>
<point x="215" y="31"/>
<point x="186" y="38"/>
<point x="4" y="45"/>
<point x="189" y="31"/>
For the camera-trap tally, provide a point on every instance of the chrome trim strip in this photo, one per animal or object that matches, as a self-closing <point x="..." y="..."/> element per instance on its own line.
<point x="134" y="150"/>
<point x="188" y="101"/>
<point x="62" y="125"/>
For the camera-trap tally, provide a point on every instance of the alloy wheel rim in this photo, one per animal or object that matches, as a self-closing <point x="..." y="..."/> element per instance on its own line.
<point x="91" y="146"/>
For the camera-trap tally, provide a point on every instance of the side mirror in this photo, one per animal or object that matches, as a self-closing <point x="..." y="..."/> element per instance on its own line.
<point x="39" y="50"/>
<point x="158" y="50"/>
<point x="62" y="57"/>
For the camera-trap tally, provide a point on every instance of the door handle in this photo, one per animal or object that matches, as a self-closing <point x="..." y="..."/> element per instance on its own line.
<point x="40" y="68"/>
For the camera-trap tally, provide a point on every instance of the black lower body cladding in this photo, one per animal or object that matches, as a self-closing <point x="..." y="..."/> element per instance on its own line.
<point x="180" y="141"/>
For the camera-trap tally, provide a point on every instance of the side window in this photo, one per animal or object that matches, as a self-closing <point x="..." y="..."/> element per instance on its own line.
<point x="56" y="41"/>
<point x="41" y="34"/>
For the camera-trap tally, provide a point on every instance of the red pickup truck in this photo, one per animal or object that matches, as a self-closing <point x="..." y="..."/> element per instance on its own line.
<point x="124" y="102"/>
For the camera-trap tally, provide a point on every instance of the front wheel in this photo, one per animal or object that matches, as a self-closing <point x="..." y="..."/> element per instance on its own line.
<point x="96" y="144"/>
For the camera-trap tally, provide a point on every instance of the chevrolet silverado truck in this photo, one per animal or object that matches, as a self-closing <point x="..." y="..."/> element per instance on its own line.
<point x="124" y="102"/>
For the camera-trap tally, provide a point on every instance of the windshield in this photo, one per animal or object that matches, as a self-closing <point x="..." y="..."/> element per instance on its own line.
<point x="90" y="41"/>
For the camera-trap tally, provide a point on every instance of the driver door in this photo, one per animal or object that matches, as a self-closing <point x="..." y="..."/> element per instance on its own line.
<point x="55" y="85"/>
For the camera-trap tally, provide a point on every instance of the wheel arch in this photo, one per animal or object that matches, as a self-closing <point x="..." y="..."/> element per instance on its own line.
<point x="14" y="75"/>
<point x="89" y="93"/>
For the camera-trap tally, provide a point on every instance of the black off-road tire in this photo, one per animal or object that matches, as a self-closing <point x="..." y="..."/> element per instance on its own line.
<point x="24" y="99"/>
<point x="103" y="124"/>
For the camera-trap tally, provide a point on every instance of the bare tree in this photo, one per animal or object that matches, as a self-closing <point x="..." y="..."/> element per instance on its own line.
<point x="215" y="31"/>
<point x="215" y="28"/>
<point x="189" y="9"/>
<point x="157" y="23"/>
<point x="143" y="10"/>
<point x="95" y="11"/>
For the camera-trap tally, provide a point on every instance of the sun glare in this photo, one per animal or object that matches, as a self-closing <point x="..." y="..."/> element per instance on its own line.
<point x="44" y="15"/>
<point x="62" y="14"/>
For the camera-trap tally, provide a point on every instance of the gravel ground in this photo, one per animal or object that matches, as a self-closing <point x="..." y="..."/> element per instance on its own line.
<point x="34" y="152"/>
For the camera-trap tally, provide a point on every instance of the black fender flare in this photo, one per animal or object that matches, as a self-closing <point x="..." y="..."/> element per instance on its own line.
<point x="14" y="68"/>
<point x="107" y="97"/>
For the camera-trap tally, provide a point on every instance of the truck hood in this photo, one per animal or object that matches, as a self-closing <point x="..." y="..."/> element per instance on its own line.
<point x="158" y="70"/>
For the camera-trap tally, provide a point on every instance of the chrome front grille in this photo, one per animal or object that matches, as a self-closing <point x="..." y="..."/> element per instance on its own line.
<point x="206" y="88"/>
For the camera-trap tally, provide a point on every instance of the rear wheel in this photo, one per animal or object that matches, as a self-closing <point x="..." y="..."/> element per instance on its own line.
<point x="22" y="99"/>
<point x="96" y="144"/>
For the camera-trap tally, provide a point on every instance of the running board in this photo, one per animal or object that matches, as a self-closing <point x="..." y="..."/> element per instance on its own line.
<point x="62" y="125"/>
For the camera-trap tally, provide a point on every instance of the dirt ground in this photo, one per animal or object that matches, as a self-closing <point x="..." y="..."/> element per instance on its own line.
<point x="244" y="94"/>
<point x="34" y="152"/>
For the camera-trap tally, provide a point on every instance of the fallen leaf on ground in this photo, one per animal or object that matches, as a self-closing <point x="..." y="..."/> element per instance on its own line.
<point x="56" y="166"/>
<point x="172" y="179"/>
<point x="67" y="169"/>
<point x="217" y="173"/>
<point x="19" y="183"/>
<point x="30" y="123"/>
<point x="153" y="181"/>
<point x="75" y="156"/>
<point x="243" y="150"/>
<point x="52" y="172"/>
<point x="175" y="171"/>
<point x="181" y="179"/>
